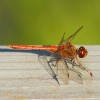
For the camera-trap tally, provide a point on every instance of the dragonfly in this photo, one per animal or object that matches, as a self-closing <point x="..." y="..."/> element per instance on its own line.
<point x="64" y="62"/>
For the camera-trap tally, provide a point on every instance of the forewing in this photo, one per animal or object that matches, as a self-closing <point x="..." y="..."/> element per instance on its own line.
<point x="63" y="71"/>
<point x="74" y="74"/>
<point x="45" y="63"/>
<point x="48" y="65"/>
<point x="86" y="73"/>
<point x="61" y="42"/>
<point x="70" y="38"/>
<point x="78" y="71"/>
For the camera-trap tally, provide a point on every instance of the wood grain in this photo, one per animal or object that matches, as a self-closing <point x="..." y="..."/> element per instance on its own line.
<point x="23" y="78"/>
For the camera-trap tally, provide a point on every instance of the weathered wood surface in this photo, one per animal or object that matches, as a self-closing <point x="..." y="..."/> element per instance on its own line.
<point x="22" y="77"/>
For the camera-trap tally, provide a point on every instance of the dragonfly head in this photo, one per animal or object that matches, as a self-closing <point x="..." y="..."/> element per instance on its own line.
<point x="82" y="52"/>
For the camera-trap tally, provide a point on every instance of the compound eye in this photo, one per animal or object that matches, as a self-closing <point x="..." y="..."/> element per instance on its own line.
<point x="82" y="52"/>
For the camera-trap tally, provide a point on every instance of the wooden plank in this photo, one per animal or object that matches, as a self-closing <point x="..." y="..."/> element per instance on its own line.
<point x="36" y="66"/>
<point x="22" y="77"/>
<point x="34" y="59"/>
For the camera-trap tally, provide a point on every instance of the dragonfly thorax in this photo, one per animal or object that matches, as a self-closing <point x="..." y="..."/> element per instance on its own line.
<point x="67" y="50"/>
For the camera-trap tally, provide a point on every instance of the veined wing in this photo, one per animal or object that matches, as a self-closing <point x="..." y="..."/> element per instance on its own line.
<point x="74" y="74"/>
<point x="79" y="66"/>
<point x="46" y="63"/>
<point x="63" y="72"/>
<point x="66" y="72"/>
<point x="55" y="68"/>
<point x="86" y="72"/>
<point x="64" y="69"/>
<point x="70" y="38"/>
<point x="61" y="42"/>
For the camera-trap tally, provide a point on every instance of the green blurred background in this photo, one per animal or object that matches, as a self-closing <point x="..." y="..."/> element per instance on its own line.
<point x="34" y="22"/>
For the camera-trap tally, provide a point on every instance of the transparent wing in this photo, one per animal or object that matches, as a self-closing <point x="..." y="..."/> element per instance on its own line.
<point x="74" y="74"/>
<point x="63" y="71"/>
<point x="87" y="74"/>
<point x="46" y="63"/>
<point x="61" y="42"/>
<point x="80" y="67"/>
<point x="70" y="38"/>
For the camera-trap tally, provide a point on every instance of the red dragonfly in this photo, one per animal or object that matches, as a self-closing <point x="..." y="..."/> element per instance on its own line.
<point x="64" y="62"/>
